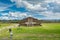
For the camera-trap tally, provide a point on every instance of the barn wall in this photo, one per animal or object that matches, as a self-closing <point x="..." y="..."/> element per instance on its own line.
<point x="22" y="22"/>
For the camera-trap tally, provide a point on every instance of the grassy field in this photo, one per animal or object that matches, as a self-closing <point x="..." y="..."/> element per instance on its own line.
<point x="48" y="31"/>
<point x="5" y="24"/>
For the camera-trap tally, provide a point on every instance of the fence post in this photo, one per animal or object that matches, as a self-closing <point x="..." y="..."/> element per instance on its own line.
<point x="11" y="34"/>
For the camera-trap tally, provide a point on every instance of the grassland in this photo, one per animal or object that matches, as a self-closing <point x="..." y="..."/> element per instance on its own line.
<point x="5" y="24"/>
<point x="48" y="31"/>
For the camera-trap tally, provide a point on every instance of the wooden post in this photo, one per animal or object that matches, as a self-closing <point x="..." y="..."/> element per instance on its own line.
<point x="11" y="34"/>
<point x="19" y="25"/>
<point x="27" y="22"/>
<point x="32" y="22"/>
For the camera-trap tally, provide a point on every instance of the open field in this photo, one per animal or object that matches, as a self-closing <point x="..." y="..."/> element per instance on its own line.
<point x="5" y="24"/>
<point x="48" y="31"/>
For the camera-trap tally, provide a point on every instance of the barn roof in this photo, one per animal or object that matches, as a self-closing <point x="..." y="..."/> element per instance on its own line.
<point x="30" y="18"/>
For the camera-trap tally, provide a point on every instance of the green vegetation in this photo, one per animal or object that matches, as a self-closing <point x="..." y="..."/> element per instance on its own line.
<point x="5" y="24"/>
<point x="48" y="31"/>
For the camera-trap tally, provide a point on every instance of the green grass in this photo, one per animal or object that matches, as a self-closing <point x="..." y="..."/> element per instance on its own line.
<point x="48" y="31"/>
<point x="5" y="24"/>
<point x="51" y="25"/>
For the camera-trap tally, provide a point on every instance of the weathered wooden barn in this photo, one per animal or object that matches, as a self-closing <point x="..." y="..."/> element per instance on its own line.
<point x="30" y="21"/>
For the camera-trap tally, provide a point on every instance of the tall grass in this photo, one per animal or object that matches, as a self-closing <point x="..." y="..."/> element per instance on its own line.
<point x="48" y="31"/>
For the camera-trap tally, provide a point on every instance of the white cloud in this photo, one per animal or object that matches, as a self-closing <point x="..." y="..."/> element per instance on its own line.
<point x="50" y="15"/>
<point x="17" y="14"/>
<point x="39" y="6"/>
<point x="14" y="15"/>
<point x="34" y="7"/>
<point x="48" y="1"/>
<point x="5" y="6"/>
<point x="4" y="18"/>
<point x="56" y="2"/>
<point x="29" y="5"/>
<point x="2" y="8"/>
<point x="7" y="18"/>
<point x="47" y="13"/>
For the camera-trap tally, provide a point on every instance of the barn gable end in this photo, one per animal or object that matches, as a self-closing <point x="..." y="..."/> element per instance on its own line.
<point x="30" y="22"/>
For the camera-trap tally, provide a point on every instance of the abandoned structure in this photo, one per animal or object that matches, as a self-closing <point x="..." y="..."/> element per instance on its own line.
<point x="29" y="21"/>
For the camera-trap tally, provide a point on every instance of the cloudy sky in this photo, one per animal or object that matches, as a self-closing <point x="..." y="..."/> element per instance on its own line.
<point x="19" y="9"/>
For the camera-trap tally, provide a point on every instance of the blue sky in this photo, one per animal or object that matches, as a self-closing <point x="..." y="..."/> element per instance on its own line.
<point x="19" y="9"/>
